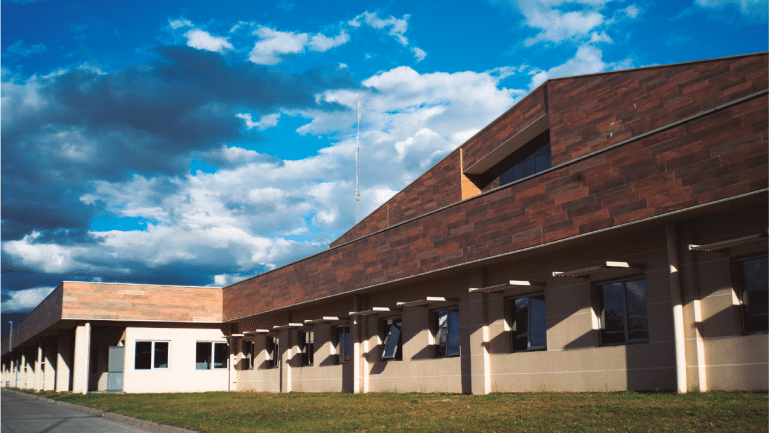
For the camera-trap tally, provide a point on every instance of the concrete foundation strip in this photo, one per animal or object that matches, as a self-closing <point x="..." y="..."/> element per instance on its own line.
<point x="150" y="425"/>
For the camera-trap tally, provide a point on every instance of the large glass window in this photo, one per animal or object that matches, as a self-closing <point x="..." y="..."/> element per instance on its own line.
<point x="342" y="344"/>
<point x="391" y="339"/>
<point x="151" y="354"/>
<point x="528" y="330"/>
<point x="306" y="347"/>
<point x="446" y="325"/>
<point x="271" y="349"/>
<point x="203" y="355"/>
<point x="623" y="312"/>
<point x="753" y="280"/>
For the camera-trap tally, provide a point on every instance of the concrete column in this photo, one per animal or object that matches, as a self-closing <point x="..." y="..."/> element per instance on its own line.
<point x="676" y="304"/>
<point x="478" y="321"/>
<point x="285" y="351"/>
<point x="64" y="358"/>
<point x="23" y="367"/>
<point x="355" y="335"/>
<point x="234" y="342"/>
<point x="39" y="366"/>
<point x="82" y="358"/>
<point x="365" y="359"/>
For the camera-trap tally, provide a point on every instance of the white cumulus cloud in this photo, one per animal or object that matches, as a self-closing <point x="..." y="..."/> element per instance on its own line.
<point x="25" y="300"/>
<point x="275" y="44"/>
<point x="202" y="40"/>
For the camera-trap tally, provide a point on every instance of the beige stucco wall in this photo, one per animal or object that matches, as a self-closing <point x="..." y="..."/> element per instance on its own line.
<point x="181" y="376"/>
<point x="717" y="353"/>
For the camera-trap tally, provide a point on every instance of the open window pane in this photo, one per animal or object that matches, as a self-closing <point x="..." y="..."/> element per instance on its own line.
<point x="519" y="325"/>
<point x="248" y="354"/>
<point x="143" y="355"/>
<point x="754" y="293"/>
<point x="306" y="347"/>
<point x="202" y="356"/>
<point x="161" y="355"/>
<point x="447" y="333"/>
<point x="453" y="340"/>
<point x="528" y="331"/>
<point x="391" y="346"/>
<point x="636" y="298"/>
<point x="271" y="349"/>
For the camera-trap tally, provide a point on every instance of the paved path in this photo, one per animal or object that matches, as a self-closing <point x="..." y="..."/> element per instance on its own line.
<point x="25" y="414"/>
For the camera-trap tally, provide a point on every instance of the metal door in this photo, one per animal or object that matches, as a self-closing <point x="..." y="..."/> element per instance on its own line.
<point x="115" y="369"/>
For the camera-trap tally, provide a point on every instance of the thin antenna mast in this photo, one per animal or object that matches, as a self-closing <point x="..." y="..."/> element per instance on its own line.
<point x="358" y="153"/>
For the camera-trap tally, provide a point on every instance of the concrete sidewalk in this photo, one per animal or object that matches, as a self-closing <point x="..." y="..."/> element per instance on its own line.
<point x="26" y="413"/>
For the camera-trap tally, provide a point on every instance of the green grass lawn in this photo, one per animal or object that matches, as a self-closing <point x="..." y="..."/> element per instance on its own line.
<point x="390" y="412"/>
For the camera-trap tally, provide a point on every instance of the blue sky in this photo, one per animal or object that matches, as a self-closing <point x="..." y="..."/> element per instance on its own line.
<point x="200" y="143"/>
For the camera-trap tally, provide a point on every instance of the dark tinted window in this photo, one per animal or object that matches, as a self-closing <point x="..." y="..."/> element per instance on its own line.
<point x="343" y="344"/>
<point x="528" y="331"/>
<point x="527" y="162"/>
<point x="753" y="278"/>
<point x="143" y="355"/>
<point x="203" y="356"/>
<point x="161" y="355"/>
<point x="221" y="355"/>
<point x="623" y="312"/>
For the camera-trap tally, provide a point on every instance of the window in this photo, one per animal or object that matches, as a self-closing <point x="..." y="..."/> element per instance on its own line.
<point x="623" y="312"/>
<point x="753" y="282"/>
<point x="203" y="358"/>
<point x="248" y="354"/>
<point x="271" y="347"/>
<point x="342" y="344"/>
<point x="306" y="347"/>
<point x="149" y="355"/>
<point x="446" y="325"/>
<point x="391" y="339"/>
<point x="530" y="159"/>
<point x="528" y="323"/>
